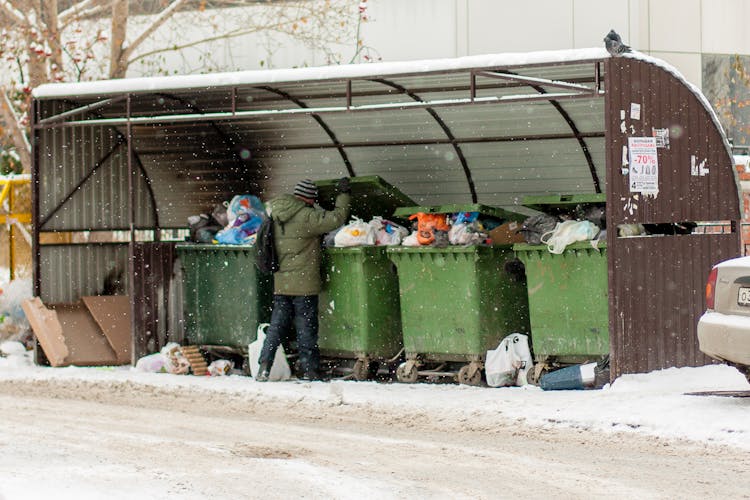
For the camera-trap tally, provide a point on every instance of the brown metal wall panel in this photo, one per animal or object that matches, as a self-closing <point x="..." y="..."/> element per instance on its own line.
<point x="657" y="298"/>
<point x="67" y="156"/>
<point x="152" y="266"/>
<point x="667" y="102"/>
<point x="656" y="283"/>
<point x="69" y="272"/>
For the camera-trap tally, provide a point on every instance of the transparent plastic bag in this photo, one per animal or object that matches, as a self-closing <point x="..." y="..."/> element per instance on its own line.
<point x="568" y="232"/>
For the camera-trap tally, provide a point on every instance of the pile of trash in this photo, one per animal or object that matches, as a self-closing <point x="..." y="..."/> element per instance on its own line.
<point x="377" y="232"/>
<point x="562" y="229"/>
<point x="13" y="323"/>
<point x="429" y="229"/>
<point x="172" y="358"/>
<point x="233" y="222"/>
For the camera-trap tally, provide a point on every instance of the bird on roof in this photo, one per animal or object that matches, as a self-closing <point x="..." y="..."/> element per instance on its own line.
<point x="614" y="44"/>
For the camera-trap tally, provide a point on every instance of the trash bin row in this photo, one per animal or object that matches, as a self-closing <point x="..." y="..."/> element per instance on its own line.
<point x="428" y="311"/>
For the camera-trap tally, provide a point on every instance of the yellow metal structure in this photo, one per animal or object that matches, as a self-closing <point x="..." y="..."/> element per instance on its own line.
<point x="9" y="217"/>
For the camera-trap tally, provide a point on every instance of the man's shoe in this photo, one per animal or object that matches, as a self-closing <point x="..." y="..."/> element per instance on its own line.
<point x="264" y="371"/>
<point x="312" y="376"/>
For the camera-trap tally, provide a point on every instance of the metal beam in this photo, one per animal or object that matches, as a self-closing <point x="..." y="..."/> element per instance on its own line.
<point x="528" y="80"/>
<point x="80" y="110"/>
<point x="229" y="116"/>
<point x="425" y="142"/>
<point x="323" y="125"/>
<point x="448" y="133"/>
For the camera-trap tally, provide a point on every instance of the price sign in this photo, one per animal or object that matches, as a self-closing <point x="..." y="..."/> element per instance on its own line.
<point x="644" y="165"/>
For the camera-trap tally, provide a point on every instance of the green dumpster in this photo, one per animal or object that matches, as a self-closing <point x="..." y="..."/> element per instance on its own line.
<point x="457" y="302"/>
<point x="225" y="297"/>
<point x="568" y="294"/>
<point x="568" y="303"/>
<point x="359" y="307"/>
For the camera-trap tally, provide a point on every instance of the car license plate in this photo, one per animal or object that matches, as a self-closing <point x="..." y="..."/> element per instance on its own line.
<point x="743" y="296"/>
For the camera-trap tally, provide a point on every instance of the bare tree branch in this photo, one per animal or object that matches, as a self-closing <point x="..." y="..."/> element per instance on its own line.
<point x="202" y="41"/>
<point x="23" y="148"/>
<point x="84" y="9"/>
<point x="14" y="13"/>
<point x="156" y="24"/>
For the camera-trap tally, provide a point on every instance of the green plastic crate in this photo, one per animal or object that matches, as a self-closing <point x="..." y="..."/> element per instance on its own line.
<point x="225" y="297"/>
<point x="359" y="307"/>
<point x="568" y="300"/>
<point x="458" y="302"/>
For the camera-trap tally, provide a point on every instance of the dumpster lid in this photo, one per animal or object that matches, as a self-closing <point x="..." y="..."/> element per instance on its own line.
<point x="498" y="212"/>
<point x="555" y="203"/>
<point x="371" y="196"/>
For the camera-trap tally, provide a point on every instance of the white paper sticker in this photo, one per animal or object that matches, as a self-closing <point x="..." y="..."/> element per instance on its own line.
<point x="698" y="169"/>
<point x="635" y="111"/>
<point x="644" y="165"/>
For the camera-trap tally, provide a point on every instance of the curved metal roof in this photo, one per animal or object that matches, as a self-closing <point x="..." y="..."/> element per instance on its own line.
<point x="484" y="129"/>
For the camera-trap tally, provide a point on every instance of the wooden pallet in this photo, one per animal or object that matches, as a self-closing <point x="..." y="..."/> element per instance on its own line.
<point x="197" y="362"/>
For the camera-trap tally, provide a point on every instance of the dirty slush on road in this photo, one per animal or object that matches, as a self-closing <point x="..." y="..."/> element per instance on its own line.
<point x="198" y="442"/>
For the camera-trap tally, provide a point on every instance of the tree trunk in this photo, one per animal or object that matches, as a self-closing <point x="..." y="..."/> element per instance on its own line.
<point x="118" y="64"/>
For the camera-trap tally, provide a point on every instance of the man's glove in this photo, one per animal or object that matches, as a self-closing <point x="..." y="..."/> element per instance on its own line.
<point x="344" y="185"/>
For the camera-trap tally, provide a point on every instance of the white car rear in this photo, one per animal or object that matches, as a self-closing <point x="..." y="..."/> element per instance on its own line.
<point x="724" y="329"/>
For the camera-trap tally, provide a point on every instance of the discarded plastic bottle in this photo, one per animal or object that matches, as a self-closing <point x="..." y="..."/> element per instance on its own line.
<point x="569" y="378"/>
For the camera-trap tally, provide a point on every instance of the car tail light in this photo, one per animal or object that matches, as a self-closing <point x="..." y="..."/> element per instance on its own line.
<point x="711" y="288"/>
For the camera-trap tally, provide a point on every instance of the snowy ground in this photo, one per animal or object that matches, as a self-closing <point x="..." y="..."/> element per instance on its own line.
<point x="652" y="404"/>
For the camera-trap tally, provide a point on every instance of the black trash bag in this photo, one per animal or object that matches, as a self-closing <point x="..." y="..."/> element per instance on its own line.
<point x="593" y="213"/>
<point x="219" y="214"/>
<point x="535" y="226"/>
<point x="202" y="228"/>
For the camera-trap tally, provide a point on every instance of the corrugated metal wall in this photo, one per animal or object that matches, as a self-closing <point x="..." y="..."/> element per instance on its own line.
<point x="98" y="200"/>
<point x="152" y="270"/>
<point x="69" y="272"/>
<point x="656" y="283"/>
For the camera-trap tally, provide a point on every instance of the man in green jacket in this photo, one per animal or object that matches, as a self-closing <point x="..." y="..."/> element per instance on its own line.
<point x="298" y="226"/>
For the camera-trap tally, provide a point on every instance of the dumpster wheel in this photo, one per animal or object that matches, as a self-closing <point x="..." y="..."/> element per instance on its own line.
<point x="407" y="372"/>
<point x="470" y="374"/>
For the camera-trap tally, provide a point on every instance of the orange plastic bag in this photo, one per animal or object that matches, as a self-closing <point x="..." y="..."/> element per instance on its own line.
<point x="427" y="224"/>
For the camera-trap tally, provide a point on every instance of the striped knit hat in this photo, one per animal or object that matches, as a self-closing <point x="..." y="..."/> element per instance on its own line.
<point x="306" y="189"/>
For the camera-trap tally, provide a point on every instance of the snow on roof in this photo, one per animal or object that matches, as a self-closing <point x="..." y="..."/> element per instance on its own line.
<point x="266" y="76"/>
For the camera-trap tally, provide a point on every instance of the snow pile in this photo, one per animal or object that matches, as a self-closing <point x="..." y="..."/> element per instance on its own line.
<point x="14" y="355"/>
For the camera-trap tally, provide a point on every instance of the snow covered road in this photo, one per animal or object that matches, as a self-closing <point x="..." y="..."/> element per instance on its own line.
<point x="79" y="433"/>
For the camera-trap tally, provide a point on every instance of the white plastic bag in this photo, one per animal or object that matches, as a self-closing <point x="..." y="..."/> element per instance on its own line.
<point x="279" y="370"/>
<point x="220" y="367"/>
<point x="568" y="232"/>
<point x="174" y="361"/>
<point x="356" y="233"/>
<point x="386" y="232"/>
<point x="152" y="363"/>
<point x="411" y="240"/>
<point x="510" y="363"/>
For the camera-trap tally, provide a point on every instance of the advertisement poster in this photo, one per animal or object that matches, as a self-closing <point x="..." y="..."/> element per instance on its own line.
<point x="644" y="165"/>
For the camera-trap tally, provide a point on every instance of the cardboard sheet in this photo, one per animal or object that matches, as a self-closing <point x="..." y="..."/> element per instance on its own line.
<point x="93" y="332"/>
<point x="112" y="314"/>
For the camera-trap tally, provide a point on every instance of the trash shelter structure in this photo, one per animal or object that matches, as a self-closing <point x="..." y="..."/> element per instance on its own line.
<point x="118" y="164"/>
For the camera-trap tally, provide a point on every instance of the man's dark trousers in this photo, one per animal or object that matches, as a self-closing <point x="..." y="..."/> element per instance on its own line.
<point x="304" y="310"/>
